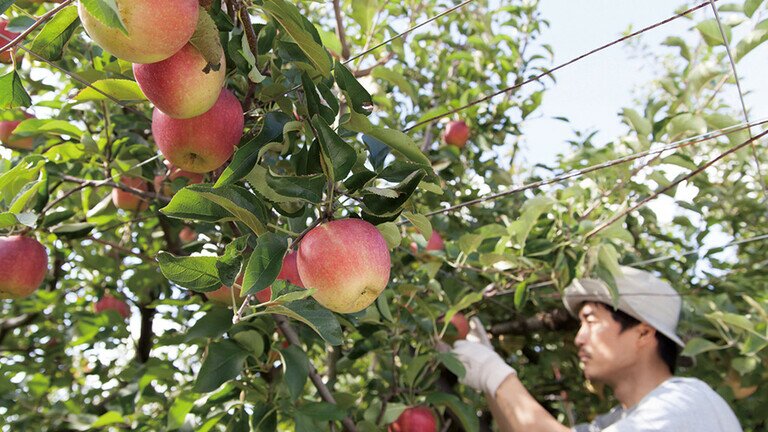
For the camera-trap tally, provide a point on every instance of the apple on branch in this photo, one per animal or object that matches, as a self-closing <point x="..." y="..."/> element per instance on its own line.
<point x="109" y="302"/>
<point x="458" y="329"/>
<point x="8" y="139"/>
<point x="415" y="419"/>
<point x="203" y="143"/>
<point x="223" y="295"/>
<point x="187" y="235"/>
<point x="172" y="173"/>
<point x="347" y="261"/>
<point x="5" y="37"/>
<point x="129" y="201"/>
<point x="178" y="86"/>
<point x="156" y="29"/>
<point x="456" y="134"/>
<point x="289" y="272"/>
<point x="23" y="266"/>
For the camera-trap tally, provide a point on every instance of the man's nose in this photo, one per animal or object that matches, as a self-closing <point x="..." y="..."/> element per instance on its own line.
<point x="581" y="337"/>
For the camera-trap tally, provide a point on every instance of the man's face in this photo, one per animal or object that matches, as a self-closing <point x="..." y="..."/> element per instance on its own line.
<point x="605" y="351"/>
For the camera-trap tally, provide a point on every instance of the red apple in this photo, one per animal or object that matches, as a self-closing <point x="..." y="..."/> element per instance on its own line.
<point x="156" y="29"/>
<point x="415" y="419"/>
<point x="128" y="201"/>
<point x="187" y="235"/>
<point x="203" y="143"/>
<point x="178" y="86"/>
<point x="435" y="242"/>
<point x="460" y="324"/>
<point x="175" y="172"/>
<point x="289" y="273"/>
<point x="223" y="295"/>
<point x="108" y="303"/>
<point x="6" y="134"/>
<point x="347" y="261"/>
<point x="23" y="266"/>
<point x="5" y="37"/>
<point x="456" y="134"/>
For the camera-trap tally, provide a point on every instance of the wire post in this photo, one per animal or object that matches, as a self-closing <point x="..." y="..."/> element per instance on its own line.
<point x="741" y="97"/>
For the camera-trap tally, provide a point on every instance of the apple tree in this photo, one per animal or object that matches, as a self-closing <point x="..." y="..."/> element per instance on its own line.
<point x="277" y="215"/>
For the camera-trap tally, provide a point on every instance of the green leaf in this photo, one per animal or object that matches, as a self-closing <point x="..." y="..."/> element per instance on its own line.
<point x="31" y="127"/>
<point x="382" y="206"/>
<point x="237" y="200"/>
<point x="106" y="12"/>
<point x="247" y="155"/>
<point x="251" y="340"/>
<point x="188" y="204"/>
<point x="710" y="31"/>
<point x="309" y="188"/>
<point x="107" y="419"/>
<point x="197" y="273"/>
<point x="289" y="18"/>
<point x="360" y="99"/>
<point x="397" y="79"/>
<point x="12" y="93"/>
<point x="338" y="154"/>
<point x="698" y="345"/>
<point x="323" y="411"/>
<point x="13" y="181"/>
<point x="451" y="363"/>
<point x="74" y="230"/>
<point x="120" y="89"/>
<point x="752" y="40"/>
<point x="213" y="324"/>
<point x="206" y="40"/>
<point x="465" y="413"/>
<point x="50" y="42"/>
<point x="229" y="264"/>
<point x="530" y="213"/>
<point x="318" y="318"/>
<point x="224" y="362"/>
<point x="9" y="220"/>
<point x="521" y="294"/>
<point x="751" y="6"/>
<point x="177" y="414"/>
<point x="265" y="262"/>
<point x="257" y="179"/>
<point x="400" y="143"/>
<point x="363" y="12"/>
<point x="391" y="234"/>
<point x="421" y="223"/>
<point x="295" y="369"/>
<point x="5" y="4"/>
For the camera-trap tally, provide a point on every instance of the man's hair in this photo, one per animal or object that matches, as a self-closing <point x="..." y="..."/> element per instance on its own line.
<point x="667" y="350"/>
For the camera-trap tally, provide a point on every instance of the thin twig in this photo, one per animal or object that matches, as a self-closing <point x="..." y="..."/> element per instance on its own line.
<point x="698" y="170"/>
<point x="34" y="25"/>
<point x="556" y="68"/>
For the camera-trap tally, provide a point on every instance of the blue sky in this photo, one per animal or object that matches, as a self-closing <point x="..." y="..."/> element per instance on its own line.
<point x="592" y="91"/>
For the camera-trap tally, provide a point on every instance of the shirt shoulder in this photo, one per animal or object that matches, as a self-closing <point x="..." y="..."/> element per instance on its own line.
<point x="680" y="404"/>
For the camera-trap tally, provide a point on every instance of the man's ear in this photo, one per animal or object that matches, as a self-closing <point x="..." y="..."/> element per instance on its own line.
<point x="646" y="334"/>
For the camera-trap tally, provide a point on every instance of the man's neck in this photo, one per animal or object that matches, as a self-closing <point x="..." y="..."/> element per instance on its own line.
<point x="633" y="388"/>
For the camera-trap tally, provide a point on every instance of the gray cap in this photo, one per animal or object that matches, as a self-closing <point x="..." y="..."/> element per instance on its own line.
<point x="641" y="295"/>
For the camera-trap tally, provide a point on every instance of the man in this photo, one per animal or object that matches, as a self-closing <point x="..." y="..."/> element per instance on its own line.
<point x="631" y="348"/>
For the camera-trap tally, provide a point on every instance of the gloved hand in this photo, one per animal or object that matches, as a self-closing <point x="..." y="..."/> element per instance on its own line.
<point x="485" y="369"/>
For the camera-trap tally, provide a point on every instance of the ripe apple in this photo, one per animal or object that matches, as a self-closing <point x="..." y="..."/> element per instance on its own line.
<point x="5" y="37"/>
<point x="23" y="266"/>
<point x="203" y="143"/>
<point x="223" y="295"/>
<point x="347" y="261"/>
<point x="435" y="242"/>
<point x="128" y="201"/>
<point x="460" y="325"/>
<point x="6" y="134"/>
<point x="172" y="174"/>
<point x="108" y="303"/>
<point x="289" y="272"/>
<point x="178" y="86"/>
<point x="156" y="29"/>
<point x="456" y="134"/>
<point x="415" y="419"/>
<point x="187" y="235"/>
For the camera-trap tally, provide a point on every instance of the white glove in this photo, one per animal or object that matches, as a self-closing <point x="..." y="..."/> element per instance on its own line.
<point x="485" y="370"/>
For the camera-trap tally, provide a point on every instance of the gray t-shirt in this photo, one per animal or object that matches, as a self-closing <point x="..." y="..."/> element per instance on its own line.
<point x="678" y="404"/>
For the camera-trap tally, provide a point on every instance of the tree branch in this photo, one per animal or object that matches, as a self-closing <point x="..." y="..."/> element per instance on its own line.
<point x="367" y="71"/>
<point x="110" y="183"/>
<point x="293" y="338"/>
<point x="340" y="30"/>
<point x="34" y="25"/>
<point x="554" y="320"/>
